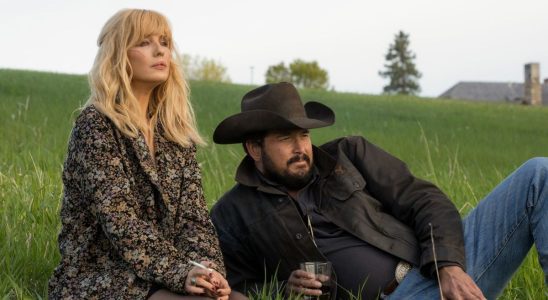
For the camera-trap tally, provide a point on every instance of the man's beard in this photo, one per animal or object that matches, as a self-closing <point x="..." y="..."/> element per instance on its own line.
<point x="292" y="182"/>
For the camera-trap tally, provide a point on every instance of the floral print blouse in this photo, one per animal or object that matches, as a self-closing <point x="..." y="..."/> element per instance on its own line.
<point x="129" y="220"/>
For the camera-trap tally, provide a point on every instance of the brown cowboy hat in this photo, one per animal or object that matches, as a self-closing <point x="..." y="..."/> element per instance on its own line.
<point x="272" y="107"/>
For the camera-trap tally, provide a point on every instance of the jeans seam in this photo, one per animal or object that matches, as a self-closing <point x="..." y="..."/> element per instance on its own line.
<point x="504" y="244"/>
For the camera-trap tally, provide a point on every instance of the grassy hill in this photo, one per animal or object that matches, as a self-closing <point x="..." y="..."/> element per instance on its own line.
<point x="465" y="148"/>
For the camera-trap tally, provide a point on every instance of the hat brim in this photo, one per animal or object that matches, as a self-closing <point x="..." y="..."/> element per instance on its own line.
<point x="236" y="128"/>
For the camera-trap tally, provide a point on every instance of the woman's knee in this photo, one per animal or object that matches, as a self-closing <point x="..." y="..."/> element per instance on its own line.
<point x="163" y="294"/>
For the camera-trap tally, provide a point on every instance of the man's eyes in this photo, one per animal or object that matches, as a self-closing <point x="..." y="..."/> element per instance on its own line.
<point x="287" y="137"/>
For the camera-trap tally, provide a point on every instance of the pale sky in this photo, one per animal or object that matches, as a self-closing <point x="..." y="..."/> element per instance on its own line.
<point x="465" y="40"/>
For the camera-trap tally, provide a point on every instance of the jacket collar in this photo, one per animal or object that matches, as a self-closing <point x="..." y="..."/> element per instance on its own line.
<point x="146" y="160"/>
<point x="150" y="165"/>
<point x="247" y="174"/>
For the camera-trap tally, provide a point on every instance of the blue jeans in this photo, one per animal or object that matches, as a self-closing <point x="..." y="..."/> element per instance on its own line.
<point x="498" y="234"/>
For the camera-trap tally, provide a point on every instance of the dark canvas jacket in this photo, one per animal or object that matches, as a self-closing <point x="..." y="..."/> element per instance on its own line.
<point x="365" y="191"/>
<point x="128" y="220"/>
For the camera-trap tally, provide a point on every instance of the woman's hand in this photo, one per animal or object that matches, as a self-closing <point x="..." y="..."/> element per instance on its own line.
<point x="223" y="289"/>
<point x="207" y="282"/>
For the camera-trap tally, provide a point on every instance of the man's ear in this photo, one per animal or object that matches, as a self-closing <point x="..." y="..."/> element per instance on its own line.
<point x="254" y="150"/>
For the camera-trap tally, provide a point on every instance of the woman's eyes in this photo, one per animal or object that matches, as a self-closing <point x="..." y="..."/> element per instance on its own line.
<point x="146" y="42"/>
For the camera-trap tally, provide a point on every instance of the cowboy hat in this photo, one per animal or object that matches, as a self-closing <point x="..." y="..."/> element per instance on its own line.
<point x="275" y="106"/>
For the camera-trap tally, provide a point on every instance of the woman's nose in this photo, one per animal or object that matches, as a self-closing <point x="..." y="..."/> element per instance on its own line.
<point x="159" y="51"/>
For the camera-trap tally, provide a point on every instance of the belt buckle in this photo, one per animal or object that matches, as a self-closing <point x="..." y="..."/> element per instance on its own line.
<point x="402" y="269"/>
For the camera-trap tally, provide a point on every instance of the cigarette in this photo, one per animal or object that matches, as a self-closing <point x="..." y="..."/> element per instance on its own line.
<point x="199" y="265"/>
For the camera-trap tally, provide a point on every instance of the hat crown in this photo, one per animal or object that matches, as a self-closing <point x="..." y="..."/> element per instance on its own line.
<point x="275" y="106"/>
<point x="280" y="98"/>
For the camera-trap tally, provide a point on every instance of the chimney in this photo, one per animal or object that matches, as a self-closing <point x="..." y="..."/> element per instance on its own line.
<point x="532" y="92"/>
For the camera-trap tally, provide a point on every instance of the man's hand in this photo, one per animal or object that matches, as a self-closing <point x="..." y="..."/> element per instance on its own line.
<point x="303" y="283"/>
<point x="456" y="284"/>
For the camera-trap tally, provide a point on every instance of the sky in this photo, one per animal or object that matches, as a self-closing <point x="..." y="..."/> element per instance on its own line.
<point x="465" y="40"/>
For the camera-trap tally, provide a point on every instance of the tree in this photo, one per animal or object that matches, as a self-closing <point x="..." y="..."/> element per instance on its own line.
<point x="308" y="74"/>
<point x="277" y="73"/>
<point x="188" y="63"/>
<point x="204" y="69"/>
<point x="301" y="73"/>
<point x="210" y="70"/>
<point x="400" y="67"/>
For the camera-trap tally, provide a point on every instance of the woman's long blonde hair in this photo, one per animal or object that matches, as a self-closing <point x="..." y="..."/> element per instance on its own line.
<point x="111" y="74"/>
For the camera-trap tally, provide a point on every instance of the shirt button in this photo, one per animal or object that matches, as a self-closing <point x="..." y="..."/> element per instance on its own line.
<point x="299" y="236"/>
<point x="356" y="184"/>
<point x="280" y="200"/>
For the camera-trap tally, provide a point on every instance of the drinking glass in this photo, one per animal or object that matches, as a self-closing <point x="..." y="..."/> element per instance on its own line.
<point x="322" y="272"/>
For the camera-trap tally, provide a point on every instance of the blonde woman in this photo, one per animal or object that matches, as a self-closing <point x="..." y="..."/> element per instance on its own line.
<point x="133" y="213"/>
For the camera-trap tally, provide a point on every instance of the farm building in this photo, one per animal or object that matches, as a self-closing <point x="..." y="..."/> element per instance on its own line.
<point x="531" y="91"/>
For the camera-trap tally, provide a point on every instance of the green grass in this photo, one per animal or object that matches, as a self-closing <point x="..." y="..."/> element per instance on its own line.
<point x="466" y="148"/>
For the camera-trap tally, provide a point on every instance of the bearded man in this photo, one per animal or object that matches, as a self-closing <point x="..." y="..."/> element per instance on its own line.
<point x="387" y="233"/>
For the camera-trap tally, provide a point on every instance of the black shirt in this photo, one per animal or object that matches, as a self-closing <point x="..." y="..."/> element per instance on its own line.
<point x="360" y="267"/>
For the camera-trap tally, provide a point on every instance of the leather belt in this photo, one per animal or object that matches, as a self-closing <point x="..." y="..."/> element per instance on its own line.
<point x="402" y="269"/>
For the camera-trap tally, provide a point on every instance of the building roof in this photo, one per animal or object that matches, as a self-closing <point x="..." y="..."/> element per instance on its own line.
<point x="490" y="91"/>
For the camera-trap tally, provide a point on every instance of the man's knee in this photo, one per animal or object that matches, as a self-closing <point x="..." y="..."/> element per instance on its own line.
<point x="537" y="166"/>
<point x="534" y="173"/>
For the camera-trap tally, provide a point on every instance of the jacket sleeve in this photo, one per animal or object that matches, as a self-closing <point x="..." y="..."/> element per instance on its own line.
<point x="415" y="202"/>
<point x="245" y="273"/>
<point x="95" y="156"/>
<point x="198" y="234"/>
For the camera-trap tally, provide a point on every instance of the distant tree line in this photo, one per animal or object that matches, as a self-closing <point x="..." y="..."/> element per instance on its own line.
<point x="301" y="73"/>
<point x="399" y="69"/>
<point x="204" y="69"/>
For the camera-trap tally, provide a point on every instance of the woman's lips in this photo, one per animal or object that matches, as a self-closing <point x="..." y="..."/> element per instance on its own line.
<point x="159" y="66"/>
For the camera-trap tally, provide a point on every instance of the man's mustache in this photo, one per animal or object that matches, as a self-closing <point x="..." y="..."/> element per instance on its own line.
<point x="298" y="158"/>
